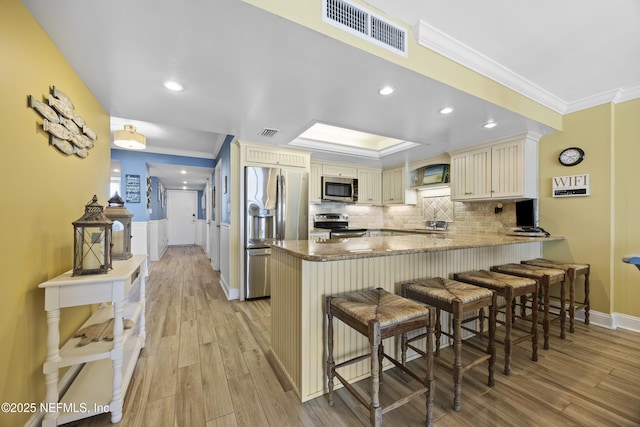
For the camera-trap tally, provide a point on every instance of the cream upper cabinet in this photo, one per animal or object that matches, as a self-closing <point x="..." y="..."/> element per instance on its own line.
<point x="260" y="154"/>
<point x="344" y="171"/>
<point x="394" y="187"/>
<point x="471" y="175"/>
<point x="315" y="189"/>
<point x="369" y="186"/>
<point x="505" y="169"/>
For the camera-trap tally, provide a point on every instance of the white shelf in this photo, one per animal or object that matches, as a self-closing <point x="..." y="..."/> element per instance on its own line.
<point x="71" y="354"/>
<point x="107" y="366"/>
<point x="83" y="391"/>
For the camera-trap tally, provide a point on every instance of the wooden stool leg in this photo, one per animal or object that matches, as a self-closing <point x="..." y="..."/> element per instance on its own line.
<point x="545" y="313"/>
<point x="563" y="311"/>
<point x="375" y="337"/>
<point x="457" y="362"/>
<point x="534" y="326"/>
<point x="509" y="313"/>
<point x="331" y="366"/>
<point x="587" y="302"/>
<point x="492" y="338"/>
<point x="438" y="332"/>
<point x="429" y="380"/>
<point x="572" y="298"/>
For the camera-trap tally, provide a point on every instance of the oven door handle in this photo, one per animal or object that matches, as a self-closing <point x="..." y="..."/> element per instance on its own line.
<point x="345" y="234"/>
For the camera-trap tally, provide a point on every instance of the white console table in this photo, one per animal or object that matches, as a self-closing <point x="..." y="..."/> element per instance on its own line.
<point x="108" y="365"/>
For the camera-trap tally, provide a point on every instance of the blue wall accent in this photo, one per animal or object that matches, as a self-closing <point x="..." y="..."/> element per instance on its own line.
<point x="135" y="163"/>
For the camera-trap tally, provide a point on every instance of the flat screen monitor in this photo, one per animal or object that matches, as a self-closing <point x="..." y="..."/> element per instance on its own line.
<point x="526" y="213"/>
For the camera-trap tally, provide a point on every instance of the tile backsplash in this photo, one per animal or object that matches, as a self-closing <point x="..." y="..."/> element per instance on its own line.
<point x="464" y="217"/>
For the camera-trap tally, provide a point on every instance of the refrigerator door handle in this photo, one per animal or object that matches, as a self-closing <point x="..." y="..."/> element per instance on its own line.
<point x="283" y="207"/>
<point x="278" y="208"/>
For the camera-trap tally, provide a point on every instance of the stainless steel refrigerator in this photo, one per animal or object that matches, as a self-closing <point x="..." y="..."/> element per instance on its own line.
<point x="276" y="205"/>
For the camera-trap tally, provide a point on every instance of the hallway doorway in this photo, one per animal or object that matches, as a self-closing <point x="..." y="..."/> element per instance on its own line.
<point x="182" y="207"/>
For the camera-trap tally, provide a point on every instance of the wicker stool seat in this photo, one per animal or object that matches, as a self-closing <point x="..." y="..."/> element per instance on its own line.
<point x="545" y="278"/>
<point x="510" y="288"/>
<point x="456" y="298"/>
<point x="573" y="271"/>
<point x="378" y="314"/>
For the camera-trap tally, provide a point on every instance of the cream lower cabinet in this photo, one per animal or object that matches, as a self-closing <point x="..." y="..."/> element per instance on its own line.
<point x="369" y="186"/>
<point x="105" y="367"/>
<point x="505" y="169"/>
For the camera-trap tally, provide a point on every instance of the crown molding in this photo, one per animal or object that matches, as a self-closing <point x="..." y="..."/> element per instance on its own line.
<point x="436" y="40"/>
<point x="439" y="42"/>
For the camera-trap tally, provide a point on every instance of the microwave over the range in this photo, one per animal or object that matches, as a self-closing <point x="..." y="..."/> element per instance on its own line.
<point x="338" y="189"/>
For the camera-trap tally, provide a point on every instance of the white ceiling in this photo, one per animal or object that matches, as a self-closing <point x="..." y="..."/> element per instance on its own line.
<point x="245" y="69"/>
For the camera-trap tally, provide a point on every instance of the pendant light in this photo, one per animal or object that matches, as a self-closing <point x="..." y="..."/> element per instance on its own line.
<point x="129" y="138"/>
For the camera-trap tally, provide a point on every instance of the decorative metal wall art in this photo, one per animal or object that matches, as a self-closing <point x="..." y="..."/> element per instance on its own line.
<point x="67" y="131"/>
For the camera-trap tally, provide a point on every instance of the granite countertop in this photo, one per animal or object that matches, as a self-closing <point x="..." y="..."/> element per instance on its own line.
<point x="367" y="247"/>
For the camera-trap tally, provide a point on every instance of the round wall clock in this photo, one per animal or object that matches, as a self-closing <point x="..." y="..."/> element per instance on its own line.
<point x="571" y="156"/>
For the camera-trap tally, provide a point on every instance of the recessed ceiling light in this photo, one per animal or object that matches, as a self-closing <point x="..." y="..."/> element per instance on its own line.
<point x="387" y="90"/>
<point x="184" y="187"/>
<point x="116" y="170"/>
<point x="173" y="86"/>
<point x="183" y="172"/>
<point x="184" y="182"/>
<point x="446" y="110"/>
<point x="489" y="125"/>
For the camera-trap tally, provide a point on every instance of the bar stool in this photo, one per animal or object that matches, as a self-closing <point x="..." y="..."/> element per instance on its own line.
<point x="456" y="298"/>
<point x="573" y="271"/>
<point x="545" y="278"/>
<point x="378" y="314"/>
<point x="510" y="288"/>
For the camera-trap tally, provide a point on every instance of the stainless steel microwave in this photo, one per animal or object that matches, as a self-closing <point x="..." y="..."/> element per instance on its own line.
<point x="338" y="189"/>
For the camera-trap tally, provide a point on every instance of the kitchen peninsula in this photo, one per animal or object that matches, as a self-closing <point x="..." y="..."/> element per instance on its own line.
<point x="304" y="272"/>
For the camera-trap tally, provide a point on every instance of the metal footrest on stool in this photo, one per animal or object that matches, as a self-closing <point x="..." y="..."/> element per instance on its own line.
<point x="456" y="298"/>
<point x="511" y="288"/>
<point x="545" y="278"/>
<point x="378" y="314"/>
<point x="573" y="271"/>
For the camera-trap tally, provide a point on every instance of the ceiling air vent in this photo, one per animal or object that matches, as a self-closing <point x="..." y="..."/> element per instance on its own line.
<point x="363" y="23"/>
<point x="269" y="133"/>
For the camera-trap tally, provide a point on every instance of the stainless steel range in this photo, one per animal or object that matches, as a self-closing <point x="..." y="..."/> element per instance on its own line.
<point x="338" y="224"/>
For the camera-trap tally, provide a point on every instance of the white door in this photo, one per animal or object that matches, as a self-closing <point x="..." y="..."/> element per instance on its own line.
<point x="182" y="207"/>
<point x="215" y="223"/>
<point x="208" y="214"/>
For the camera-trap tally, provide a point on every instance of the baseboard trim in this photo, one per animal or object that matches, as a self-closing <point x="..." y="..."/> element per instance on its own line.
<point x="611" y="321"/>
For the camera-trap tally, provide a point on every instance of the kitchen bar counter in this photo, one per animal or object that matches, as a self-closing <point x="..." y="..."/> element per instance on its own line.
<point x="366" y="247"/>
<point x="303" y="273"/>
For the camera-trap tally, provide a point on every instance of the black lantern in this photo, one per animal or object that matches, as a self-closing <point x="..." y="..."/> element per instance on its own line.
<point x="121" y="229"/>
<point x="92" y="241"/>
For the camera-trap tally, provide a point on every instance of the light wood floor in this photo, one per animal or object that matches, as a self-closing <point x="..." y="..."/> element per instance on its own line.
<point x="207" y="363"/>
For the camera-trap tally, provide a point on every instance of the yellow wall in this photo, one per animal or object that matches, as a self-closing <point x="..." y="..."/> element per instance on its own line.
<point x="602" y="227"/>
<point x="626" y="214"/>
<point x="43" y="191"/>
